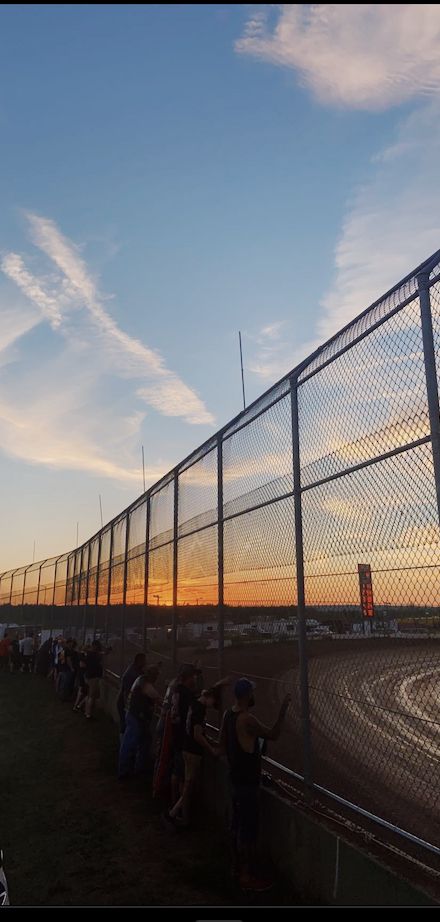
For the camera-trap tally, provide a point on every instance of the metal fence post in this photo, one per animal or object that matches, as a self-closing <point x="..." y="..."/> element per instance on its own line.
<point x="86" y="596"/>
<point x="124" y="593"/>
<point x="147" y="561"/>
<point x="221" y="610"/>
<point x="431" y="376"/>
<point x="39" y="582"/>
<point x="299" y="555"/>
<point x="95" y="611"/>
<point x="52" y="607"/>
<point x="12" y="584"/>
<point x="109" y="588"/>
<point x="175" y="552"/>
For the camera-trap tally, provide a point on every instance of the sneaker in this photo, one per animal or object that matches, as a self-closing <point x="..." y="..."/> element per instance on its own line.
<point x="249" y="882"/>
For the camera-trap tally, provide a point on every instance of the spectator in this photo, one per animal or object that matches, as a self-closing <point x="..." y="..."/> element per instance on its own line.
<point x="80" y="680"/>
<point x="163" y="764"/>
<point x="69" y="669"/>
<point x="183" y="695"/>
<point x="195" y="744"/>
<point x="14" y="655"/>
<point x="136" y="669"/>
<point x="240" y="737"/>
<point x="27" y="652"/>
<point x="58" y="657"/>
<point x="5" y="644"/>
<point x="43" y="658"/>
<point x="93" y="674"/>
<point x="136" y="743"/>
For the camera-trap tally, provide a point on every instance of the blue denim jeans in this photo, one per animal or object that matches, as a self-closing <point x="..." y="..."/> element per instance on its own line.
<point x="135" y="747"/>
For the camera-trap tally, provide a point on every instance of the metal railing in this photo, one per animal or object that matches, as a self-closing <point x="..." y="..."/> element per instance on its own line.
<point x="300" y="544"/>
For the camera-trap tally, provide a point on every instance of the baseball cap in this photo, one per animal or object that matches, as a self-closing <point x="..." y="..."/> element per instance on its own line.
<point x="243" y="687"/>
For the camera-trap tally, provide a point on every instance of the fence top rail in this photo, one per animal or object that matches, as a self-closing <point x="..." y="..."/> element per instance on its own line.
<point x="388" y="302"/>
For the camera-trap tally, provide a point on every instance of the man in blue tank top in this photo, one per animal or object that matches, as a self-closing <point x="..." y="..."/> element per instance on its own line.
<point x="241" y="739"/>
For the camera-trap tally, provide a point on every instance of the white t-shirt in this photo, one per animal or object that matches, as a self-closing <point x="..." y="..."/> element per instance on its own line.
<point x="27" y="646"/>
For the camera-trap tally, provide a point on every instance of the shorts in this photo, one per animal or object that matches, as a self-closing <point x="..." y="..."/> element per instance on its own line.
<point x="245" y="812"/>
<point x="94" y="688"/>
<point x="192" y="763"/>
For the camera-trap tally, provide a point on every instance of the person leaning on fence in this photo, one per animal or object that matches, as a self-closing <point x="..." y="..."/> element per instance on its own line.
<point x="42" y="660"/>
<point x="135" y="751"/>
<point x="133" y="671"/>
<point x="240" y="736"/>
<point x="194" y="746"/>
<point x="93" y="674"/>
<point x="80" y="679"/>
<point x="183" y="695"/>
<point x="70" y="669"/>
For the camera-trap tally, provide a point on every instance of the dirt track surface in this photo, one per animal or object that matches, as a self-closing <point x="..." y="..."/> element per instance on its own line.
<point x="375" y="721"/>
<point x="71" y="835"/>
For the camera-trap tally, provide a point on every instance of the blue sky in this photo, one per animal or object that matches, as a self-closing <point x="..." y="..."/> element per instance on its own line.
<point x="170" y="175"/>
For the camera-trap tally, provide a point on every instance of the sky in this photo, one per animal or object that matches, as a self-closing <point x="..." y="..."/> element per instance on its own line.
<point x="170" y="175"/>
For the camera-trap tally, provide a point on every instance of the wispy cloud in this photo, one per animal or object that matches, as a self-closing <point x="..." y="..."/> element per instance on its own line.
<point x="270" y="358"/>
<point x="364" y="55"/>
<point x="82" y="405"/>
<point x="392" y="223"/>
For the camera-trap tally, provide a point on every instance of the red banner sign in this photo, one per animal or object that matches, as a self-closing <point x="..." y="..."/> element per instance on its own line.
<point x="366" y="590"/>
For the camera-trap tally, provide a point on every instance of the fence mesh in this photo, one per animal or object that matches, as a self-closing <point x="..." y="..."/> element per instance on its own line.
<point x="201" y="570"/>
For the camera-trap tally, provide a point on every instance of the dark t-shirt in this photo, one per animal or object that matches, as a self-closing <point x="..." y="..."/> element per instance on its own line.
<point x="181" y="701"/>
<point x="93" y="666"/>
<point x="196" y="717"/>
<point x="128" y="679"/>
<point x="140" y="706"/>
<point x="72" y="659"/>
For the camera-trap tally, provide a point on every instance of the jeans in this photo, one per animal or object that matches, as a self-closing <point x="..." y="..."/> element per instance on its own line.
<point x="135" y="747"/>
<point x="120" y="704"/>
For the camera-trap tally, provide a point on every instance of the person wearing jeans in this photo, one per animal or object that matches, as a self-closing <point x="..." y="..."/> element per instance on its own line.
<point x="135" y="750"/>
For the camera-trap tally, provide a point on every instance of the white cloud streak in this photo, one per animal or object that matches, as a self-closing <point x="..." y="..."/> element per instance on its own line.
<point x="82" y="405"/>
<point x="393" y="223"/>
<point x="364" y="56"/>
<point x="170" y="395"/>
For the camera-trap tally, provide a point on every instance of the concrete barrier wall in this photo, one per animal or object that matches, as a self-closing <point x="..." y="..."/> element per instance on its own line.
<point x="322" y="866"/>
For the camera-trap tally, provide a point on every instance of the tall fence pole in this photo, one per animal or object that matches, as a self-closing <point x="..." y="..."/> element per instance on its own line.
<point x="109" y="587"/>
<point x="147" y="575"/>
<point x="431" y="376"/>
<point x="221" y="609"/>
<point x="86" y="592"/>
<point x="124" y="592"/>
<point x="98" y="563"/>
<point x="299" y="555"/>
<point x="175" y="551"/>
<point x="52" y="607"/>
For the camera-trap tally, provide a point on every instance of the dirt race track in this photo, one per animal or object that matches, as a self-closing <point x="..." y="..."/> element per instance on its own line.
<point x="375" y="721"/>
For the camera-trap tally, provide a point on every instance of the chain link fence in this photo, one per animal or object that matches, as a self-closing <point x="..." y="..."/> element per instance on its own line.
<point x="299" y="546"/>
